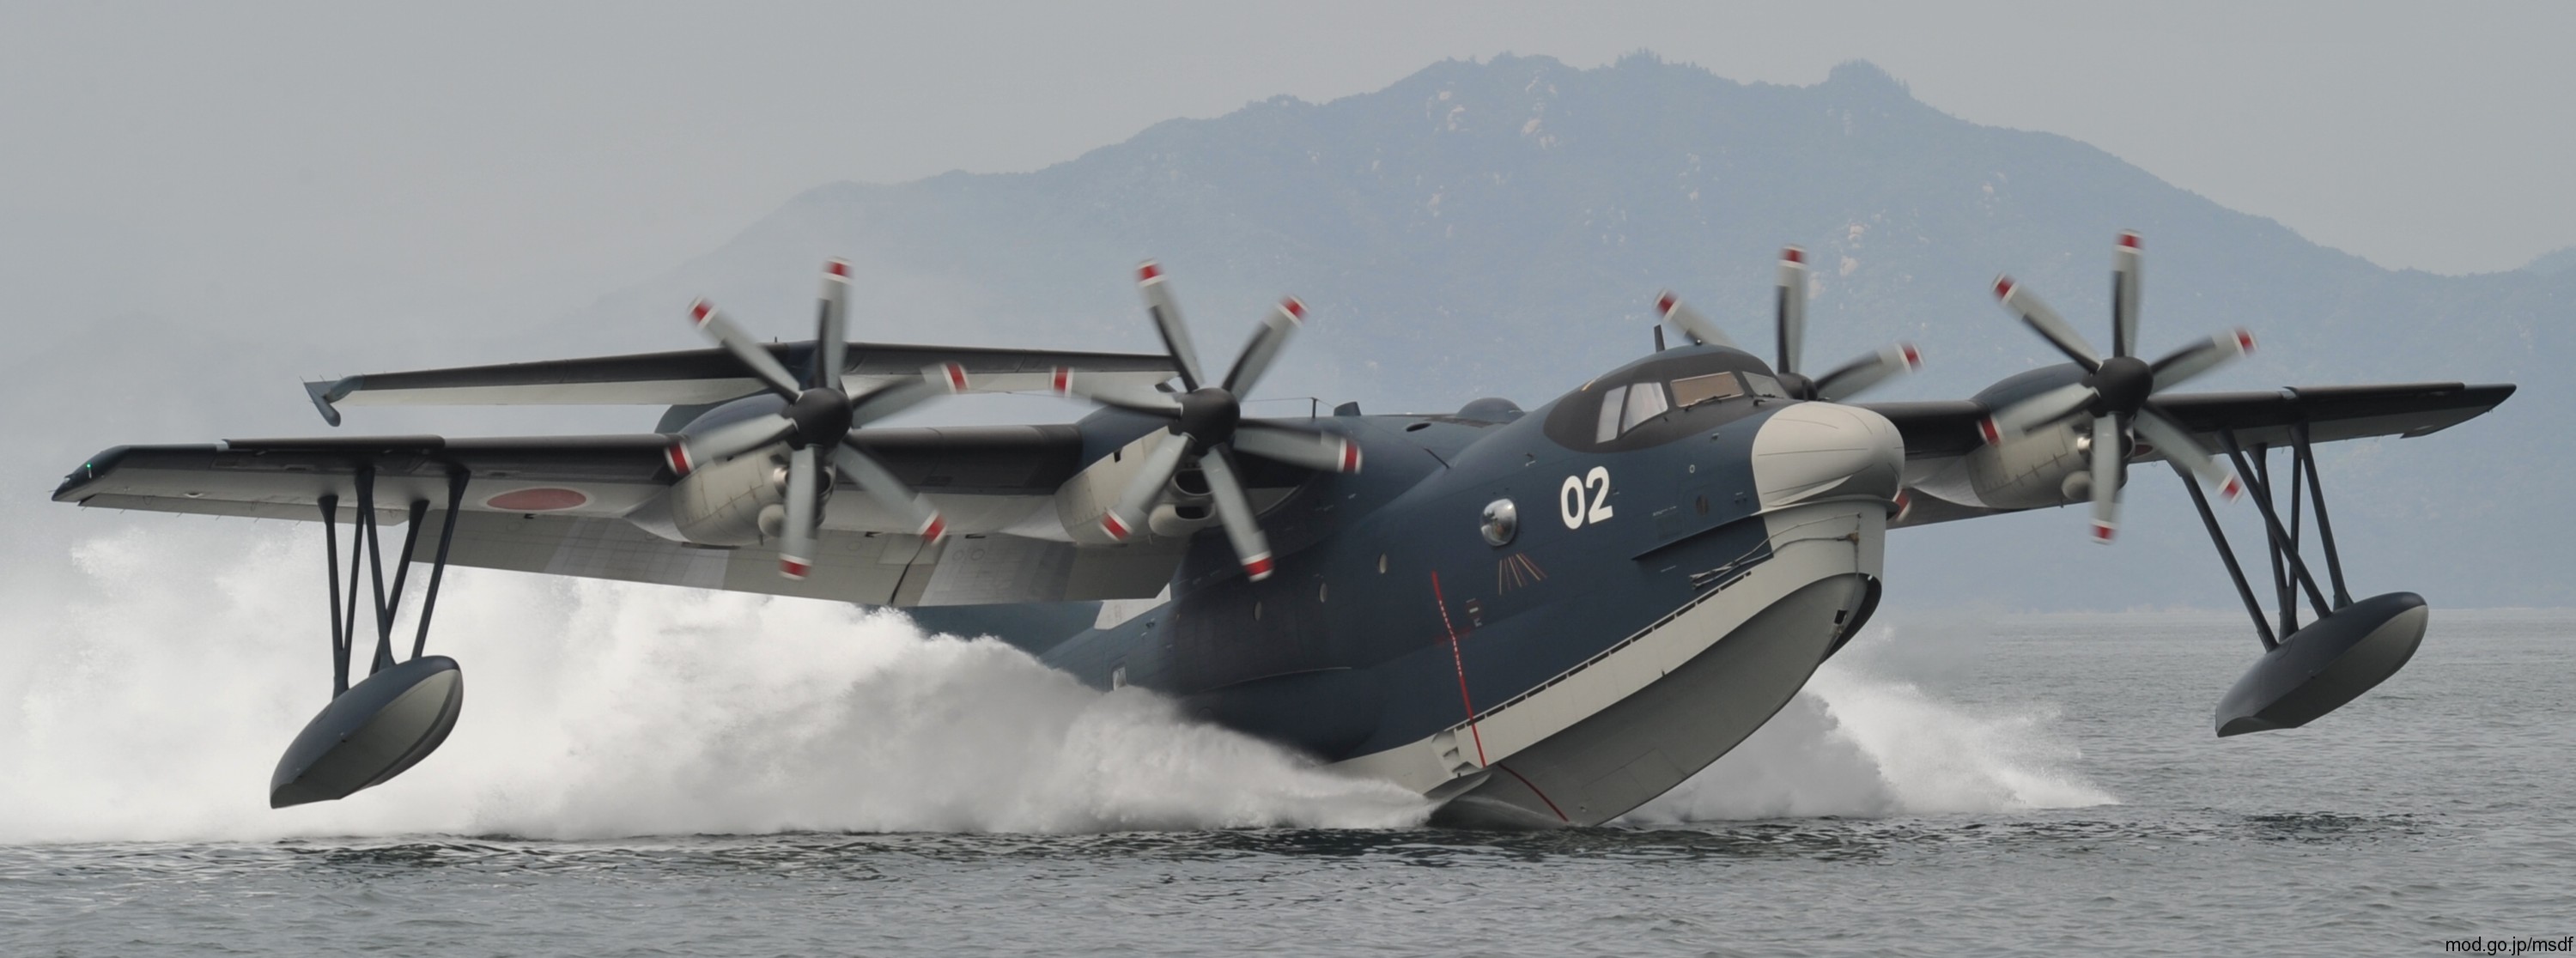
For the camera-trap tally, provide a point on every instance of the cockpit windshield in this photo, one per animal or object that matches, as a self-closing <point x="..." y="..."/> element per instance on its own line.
<point x="1626" y="407"/>
<point x="1661" y="398"/>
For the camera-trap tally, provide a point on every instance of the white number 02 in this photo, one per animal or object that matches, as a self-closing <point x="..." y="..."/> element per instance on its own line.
<point x="1570" y="499"/>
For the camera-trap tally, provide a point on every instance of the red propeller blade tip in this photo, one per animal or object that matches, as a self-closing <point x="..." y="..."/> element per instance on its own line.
<point x="2129" y="239"/>
<point x="839" y="269"/>
<point x="1296" y="310"/>
<point x="1994" y="434"/>
<point x="1063" y="384"/>
<point x="2102" y="532"/>
<point x="700" y="310"/>
<point x="2231" y="488"/>
<point x="794" y="568"/>
<point x="1257" y="567"/>
<point x="1664" y="304"/>
<point x="935" y="529"/>
<point x="678" y="456"/>
<point x="1350" y="456"/>
<point x="1148" y="273"/>
<point x="2003" y="287"/>
<point x="956" y="377"/>
<point x="1792" y="254"/>
<point x="2245" y="340"/>
<point x="1117" y="530"/>
<point x="1913" y="356"/>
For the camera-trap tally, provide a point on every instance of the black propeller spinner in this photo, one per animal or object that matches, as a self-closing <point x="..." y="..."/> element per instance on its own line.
<point x="820" y="419"/>
<point x="2118" y="393"/>
<point x="1790" y="327"/>
<point x="1207" y="426"/>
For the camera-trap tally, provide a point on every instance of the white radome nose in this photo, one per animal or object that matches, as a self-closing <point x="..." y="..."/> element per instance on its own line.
<point x="1816" y="449"/>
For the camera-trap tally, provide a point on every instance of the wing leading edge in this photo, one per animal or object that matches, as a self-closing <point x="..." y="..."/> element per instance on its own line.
<point x="562" y="505"/>
<point x="1938" y="434"/>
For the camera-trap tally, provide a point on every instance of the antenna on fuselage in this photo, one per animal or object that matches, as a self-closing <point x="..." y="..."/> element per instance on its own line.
<point x="1659" y="339"/>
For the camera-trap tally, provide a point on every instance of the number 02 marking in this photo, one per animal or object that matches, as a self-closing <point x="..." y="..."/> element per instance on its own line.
<point x="1570" y="498"/>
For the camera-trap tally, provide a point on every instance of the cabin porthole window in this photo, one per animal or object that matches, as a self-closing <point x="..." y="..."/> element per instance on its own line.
<point x="1381" y="563"/>
<point x="1500" y="523"/>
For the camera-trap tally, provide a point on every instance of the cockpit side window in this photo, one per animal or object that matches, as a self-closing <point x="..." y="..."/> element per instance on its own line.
<point x="1645" y="401"/>
<point x="1612" y="400"/>
<point x="1765" y="385"/>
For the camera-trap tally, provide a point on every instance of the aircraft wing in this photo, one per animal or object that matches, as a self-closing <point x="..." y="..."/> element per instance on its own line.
<point x="587" y="505"/>
<point x="697" y="376"/>
<point x="1937" y="434"/>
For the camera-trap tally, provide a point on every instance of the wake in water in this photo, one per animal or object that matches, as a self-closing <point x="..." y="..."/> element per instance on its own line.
<point x="155" y="706"/>
<point x="151" y="704"/>
<point x="1862" y="745"/>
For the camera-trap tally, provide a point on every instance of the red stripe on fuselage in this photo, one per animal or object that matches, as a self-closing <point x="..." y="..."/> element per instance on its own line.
<point x="1460" y="660"/>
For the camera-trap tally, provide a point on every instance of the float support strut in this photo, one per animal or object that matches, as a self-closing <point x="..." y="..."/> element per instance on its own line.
<point x="438" y="568"/>
<point x="2227" y="554"/>
<point x="2325" y="527"/>
<point x="366" y="552"/>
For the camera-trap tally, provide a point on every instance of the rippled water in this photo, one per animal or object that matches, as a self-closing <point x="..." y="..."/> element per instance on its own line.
<point x="2016" y="784"/>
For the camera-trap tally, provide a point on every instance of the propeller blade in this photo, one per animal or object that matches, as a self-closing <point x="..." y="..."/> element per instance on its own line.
<point x="1304" y="448"/>
<point x="2026" y="304"/>
<point x="796" y="541"/>
<point x="1137" y="502"/>
<point x="1689" y="321"/>
<point x="937" y="379"/>
<point x="1792" y="328"/>
<point x="1859" y="374"/>
<point x="1067" y="382"/>
<point x="1167" y="320"/>
<point x="831" y="325"/>
<point x="2107" y="464"/>
<point x="722" y="329"/>
<point x="1265" y="345"/>
<point x="726" y="442"/>
<point x="2178" y="445"/>
<point x="2200" y="357"/>
<point x="2124" y="295"/>
<point x="881" y="485"/>
<point x="1234" y="509"/>
<point x="2019" y="418"/>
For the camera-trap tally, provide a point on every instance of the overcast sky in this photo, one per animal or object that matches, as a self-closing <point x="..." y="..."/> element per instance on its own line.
<point x="543" y="154"/>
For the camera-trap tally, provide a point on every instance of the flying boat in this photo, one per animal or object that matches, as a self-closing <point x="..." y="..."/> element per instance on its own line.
<point x="1532" y="616"/>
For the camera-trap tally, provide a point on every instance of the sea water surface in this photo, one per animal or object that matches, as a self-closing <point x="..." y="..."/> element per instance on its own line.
<point x="663" y="772"/>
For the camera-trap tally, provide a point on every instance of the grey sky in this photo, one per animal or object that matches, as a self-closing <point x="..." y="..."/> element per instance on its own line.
<point x="538" y="155"/>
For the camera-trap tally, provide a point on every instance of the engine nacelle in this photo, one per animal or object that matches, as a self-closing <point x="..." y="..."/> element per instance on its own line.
<point x="1186" y="507"/>
<point x="2050" y="466"/>
<point x="723" y="504"/>
<point x="2035" y="470"/>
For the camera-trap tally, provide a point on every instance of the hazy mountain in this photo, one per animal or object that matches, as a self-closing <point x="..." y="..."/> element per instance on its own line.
<point x="1499" y="228"/>
<point x="2557" y="261"/>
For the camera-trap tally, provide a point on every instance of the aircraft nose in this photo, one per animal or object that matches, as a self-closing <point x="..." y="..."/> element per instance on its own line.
<point x="1816" y="449"/>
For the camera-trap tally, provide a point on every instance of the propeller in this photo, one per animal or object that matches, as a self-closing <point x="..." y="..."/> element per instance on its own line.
<point x="2116" y="393"/>
<point x="1207" y="427"/>
<point x="1790" y="326"/>
<point x="820" y="422"/>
